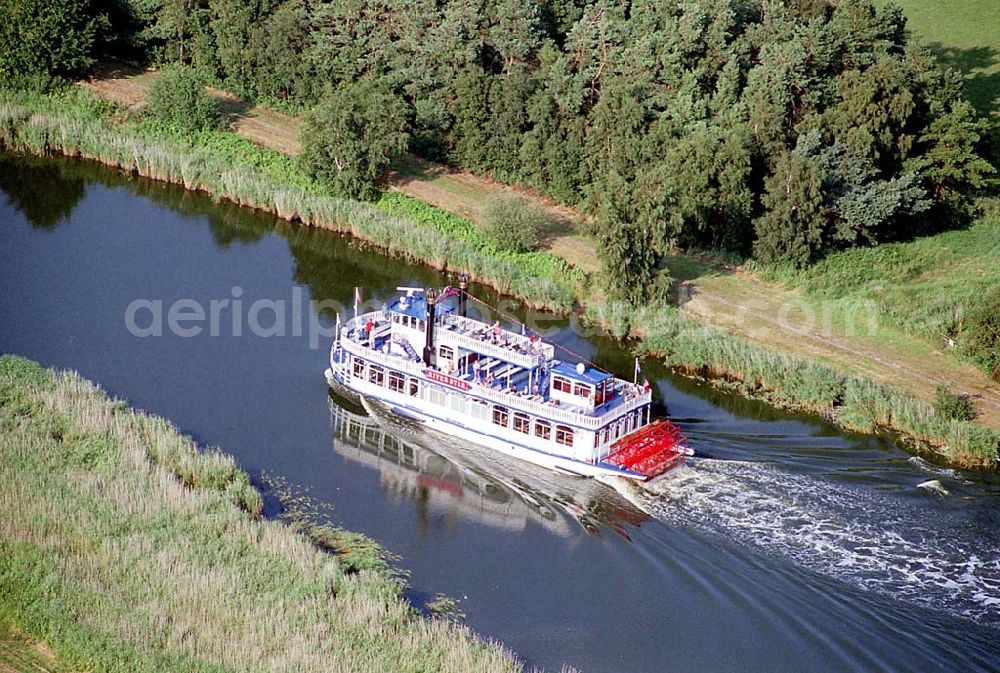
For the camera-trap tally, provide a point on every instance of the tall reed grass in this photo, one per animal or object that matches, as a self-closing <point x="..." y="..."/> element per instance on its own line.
<point x="78" y="125"/>
<point x="126" y="549"/>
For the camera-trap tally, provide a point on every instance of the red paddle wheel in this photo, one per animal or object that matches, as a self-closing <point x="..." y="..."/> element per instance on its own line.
<point x="650" y="450"/>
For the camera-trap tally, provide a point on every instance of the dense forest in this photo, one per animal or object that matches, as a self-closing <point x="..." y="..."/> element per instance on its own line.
<point x="781" y="129"/>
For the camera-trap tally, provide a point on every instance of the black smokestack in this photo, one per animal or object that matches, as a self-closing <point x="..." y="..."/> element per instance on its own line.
<point x="463" y="286"/>
<point x="429" y="343"/>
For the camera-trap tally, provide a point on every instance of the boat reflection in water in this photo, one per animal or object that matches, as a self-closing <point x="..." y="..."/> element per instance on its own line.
<point x="479" y="486"/>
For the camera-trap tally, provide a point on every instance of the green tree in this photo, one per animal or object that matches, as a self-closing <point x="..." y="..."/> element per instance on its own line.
<point x="175" y="27"/>
<point x="618" y="132"/>
<point x="873" y="115"/>
<point x="231" y="23"/>
<point x="708" y="171"/>
<point x="351" y="136"/>
<point x="43" y="40"/>
<point x="508" y="98"/>
<point x="470" y="132"/>
<point x="793" y="228"/>
<point x="809" y="124"/>
<point x="949" y="157"/>
<point x="178" y="97"/>
<point x="868" y="209"/>
<point x="277" y="46"/>
<point x="630" y="233"/>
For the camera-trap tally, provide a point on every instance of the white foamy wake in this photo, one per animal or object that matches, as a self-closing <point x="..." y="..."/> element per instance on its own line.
<point x="863" y="537"/>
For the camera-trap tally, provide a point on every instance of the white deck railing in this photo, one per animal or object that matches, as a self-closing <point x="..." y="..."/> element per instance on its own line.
<point x="508" y="399"/>
<point x="509" y="353"/>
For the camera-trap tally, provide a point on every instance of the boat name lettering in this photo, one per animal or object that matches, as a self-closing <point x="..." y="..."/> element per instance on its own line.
<point x="447" y="380"/>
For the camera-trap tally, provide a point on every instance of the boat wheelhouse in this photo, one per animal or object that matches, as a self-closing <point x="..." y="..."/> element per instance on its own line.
<point x="489" y="385"/>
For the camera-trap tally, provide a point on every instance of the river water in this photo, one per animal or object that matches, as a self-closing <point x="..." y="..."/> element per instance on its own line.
<point x="785" y="545"/>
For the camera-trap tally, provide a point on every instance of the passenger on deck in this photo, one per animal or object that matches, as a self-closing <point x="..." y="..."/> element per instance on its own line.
<point x="369" y="330"/>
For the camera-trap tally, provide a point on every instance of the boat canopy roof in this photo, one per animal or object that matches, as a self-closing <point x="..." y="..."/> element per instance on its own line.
<point x="415" y="306"/>
<point x="590" y="375"/>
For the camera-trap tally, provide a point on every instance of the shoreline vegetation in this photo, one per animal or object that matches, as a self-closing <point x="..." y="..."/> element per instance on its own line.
<point x="124" y="547"/>
<point x="76" y="124"/>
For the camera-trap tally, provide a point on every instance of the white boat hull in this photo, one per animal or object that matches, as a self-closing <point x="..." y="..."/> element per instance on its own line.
<point x="387" y="408"/>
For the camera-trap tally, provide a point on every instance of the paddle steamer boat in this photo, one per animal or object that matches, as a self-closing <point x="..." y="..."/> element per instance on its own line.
<point x="498" y="388"/>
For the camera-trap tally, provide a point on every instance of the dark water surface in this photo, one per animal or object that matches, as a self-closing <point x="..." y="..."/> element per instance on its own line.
<point x="784" y="546"/>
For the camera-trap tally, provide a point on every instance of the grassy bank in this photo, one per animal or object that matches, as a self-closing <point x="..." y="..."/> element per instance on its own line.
<point x="230" y="168"/>
<point x="125" y="548"/>
<point x="853" y="402"/>
<point x="925" y="286"/>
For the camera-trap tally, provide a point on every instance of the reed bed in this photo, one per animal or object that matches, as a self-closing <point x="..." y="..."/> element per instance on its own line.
<point x="78" y="125"/>
<point x="126" y="548"/>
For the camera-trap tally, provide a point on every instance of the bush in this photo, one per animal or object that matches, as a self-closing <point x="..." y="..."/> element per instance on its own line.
<point x="351" y="136"/>
<point x="982" y="333"/>
<point x="953" y="407"/>
<point x="178" y="97"/>
<point x="514" y="223"/>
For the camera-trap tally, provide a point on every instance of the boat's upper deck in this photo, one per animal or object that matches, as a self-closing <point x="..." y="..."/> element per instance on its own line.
<point x="509" y="368"/>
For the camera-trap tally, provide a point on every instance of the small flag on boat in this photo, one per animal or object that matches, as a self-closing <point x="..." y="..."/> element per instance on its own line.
<point x="357" y="296"/>
<point x="638" y="369"/>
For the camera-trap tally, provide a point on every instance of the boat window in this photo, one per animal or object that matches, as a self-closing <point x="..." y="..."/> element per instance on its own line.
<point x="500" y="416"/>
<point x="561" y="384"/>
<point x="419" y="324"/>
<point x="564" y="435"/>
<point x="359" y="368"/>
<point x="396" y="382"/>
<point x="414" y="387"/>
<point x="522" y="423"/>
<point x="605" y="435"/>
<point x="543" y="430"/>
<point x="480" y="410"/>
<point x="581" y="390"/>
<point x="458" y="403"/>
<point x="446" y="352"/>
<point x="376" y="375"/>
<point x="436" y="396"/>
